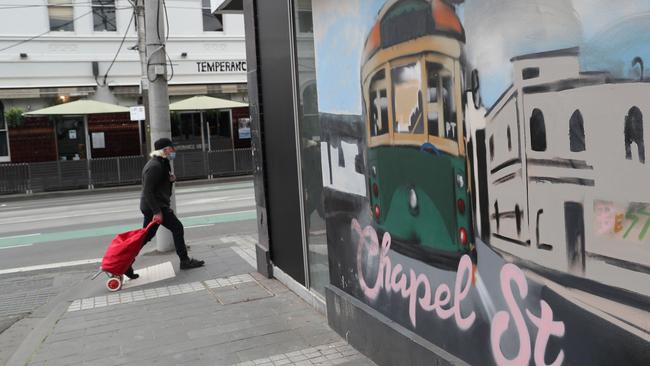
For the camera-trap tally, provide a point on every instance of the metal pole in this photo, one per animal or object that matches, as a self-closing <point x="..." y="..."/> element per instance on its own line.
<point x="156" y="73"/>
<point x="144" y="82"/>
<point x="232" y="142"/>
<point x="88" y="152"/>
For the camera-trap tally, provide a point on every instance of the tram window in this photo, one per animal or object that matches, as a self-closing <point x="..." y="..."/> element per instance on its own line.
<point x="378" y="105"/>
<point x="449" y="107"/>
<point x="433" y="85"/>
<point x="407" y="99"/>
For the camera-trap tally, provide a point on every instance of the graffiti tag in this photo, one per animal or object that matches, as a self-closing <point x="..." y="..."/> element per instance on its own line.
<point x="630" y="221"/>
<point x="446" y="304"/>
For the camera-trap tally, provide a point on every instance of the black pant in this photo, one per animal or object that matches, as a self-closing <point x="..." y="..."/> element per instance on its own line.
<point x="171" y="222"/>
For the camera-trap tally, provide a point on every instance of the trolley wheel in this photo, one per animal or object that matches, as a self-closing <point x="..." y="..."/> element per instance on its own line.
<point x="114" y="284"/>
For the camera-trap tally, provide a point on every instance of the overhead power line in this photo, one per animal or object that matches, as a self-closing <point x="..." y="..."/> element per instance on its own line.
<point x="51" y="30"/>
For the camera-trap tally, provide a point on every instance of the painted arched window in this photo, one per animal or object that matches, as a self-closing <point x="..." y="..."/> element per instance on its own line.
<point x="634" y="133"/>
<point x="492" y="147"/>
<point x="509" y="139"/>
<point x="577" y="132"/>
<point x="537" y="131"/>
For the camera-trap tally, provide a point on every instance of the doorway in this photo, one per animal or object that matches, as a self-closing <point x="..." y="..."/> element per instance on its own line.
<point x="71" y="138"/>
<point x="575" y="236"/>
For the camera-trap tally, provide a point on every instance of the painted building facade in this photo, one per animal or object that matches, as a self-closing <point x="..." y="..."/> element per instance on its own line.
<point x="549" y="144"/>
<point x="483" y="171"/>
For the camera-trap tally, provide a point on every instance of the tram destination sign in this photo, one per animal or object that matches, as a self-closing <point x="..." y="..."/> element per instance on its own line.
<point x="221" y="66"/>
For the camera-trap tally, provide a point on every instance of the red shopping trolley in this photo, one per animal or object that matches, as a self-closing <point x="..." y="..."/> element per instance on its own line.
<point x="120" y="255"/>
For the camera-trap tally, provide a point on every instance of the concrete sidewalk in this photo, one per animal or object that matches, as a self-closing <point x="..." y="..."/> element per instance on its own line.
<point x="222" y="314"/>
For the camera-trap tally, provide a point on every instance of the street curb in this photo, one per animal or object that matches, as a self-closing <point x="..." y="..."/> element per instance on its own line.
<point x="117" y="189"/>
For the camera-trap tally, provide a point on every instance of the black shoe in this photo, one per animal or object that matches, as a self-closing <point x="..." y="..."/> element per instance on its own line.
<point x="131" y="275"/>
<point x="191" y="263"/>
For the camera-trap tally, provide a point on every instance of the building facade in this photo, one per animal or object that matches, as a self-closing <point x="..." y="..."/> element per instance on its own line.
<point x="54" y="51"/>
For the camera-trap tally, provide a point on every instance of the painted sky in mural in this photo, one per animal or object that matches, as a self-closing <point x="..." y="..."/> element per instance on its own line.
<point x="609" y="33"/>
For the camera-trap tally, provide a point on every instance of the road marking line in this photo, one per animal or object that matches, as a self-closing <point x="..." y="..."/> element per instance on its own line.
<point x="50" y="266"/>
<point x="219" y="218"/>
<point x="19" y="236"/>
<point x="195" y="226"/>
<point x="26" y="219"/>
<point x="17" y="246"/>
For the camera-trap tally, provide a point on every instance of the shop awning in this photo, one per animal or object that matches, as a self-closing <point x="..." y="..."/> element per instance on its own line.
<point x="203" y="103"/>
<point x="79" y="108"/>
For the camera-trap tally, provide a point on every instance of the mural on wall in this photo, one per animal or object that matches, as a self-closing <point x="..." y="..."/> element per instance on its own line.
<point x="490" y="172"/>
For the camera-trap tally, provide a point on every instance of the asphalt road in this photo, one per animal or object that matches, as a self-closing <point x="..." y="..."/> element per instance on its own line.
<point x="70" y="228"/>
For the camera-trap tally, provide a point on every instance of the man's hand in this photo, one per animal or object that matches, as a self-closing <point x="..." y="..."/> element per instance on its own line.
<point x="158" y="218"/>
<point x="172" y="178"/>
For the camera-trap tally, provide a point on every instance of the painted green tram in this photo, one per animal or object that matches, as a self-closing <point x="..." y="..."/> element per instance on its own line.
<point x="416" y="162"/>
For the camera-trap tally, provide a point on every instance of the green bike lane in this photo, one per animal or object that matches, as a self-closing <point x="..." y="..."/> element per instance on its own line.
<point x="58" y="236"/>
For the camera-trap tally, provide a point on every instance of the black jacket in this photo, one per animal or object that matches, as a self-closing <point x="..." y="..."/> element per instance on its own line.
<point x="156" y="187"/>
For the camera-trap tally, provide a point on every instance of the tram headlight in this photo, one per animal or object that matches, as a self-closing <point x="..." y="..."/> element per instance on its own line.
<point x="460" y="181"/>
<point x="413" y="199"/>
<point x="462" y="237"/>
<point x="374" y="171"/>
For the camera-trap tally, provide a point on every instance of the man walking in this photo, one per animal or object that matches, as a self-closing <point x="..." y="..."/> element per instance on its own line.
<point x="157" y="181"/>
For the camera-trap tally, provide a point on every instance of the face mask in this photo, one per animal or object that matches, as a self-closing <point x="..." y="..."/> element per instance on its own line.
<point x="172" y="155"/>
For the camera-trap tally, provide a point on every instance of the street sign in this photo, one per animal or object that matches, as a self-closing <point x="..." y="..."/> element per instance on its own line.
<point x="137" y="113"/>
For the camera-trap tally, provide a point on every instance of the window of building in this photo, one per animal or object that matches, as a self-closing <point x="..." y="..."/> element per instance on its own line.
<point x="104" y="15"/>
<point x="530" y="73"/>
<point x="577" y="132"/>
<point x="509" y="139"/>
<point x="634" y="133"/>
<point x="492" y="148"/>
<point x="211" y="22"/>
<point x="61" y="14"/>
<point x="407" y="99"/>
<point x="304" y="16"/>
<point x="4" y="135"/>
<point x="378" y="105"/>
<point x="537" y="131"/>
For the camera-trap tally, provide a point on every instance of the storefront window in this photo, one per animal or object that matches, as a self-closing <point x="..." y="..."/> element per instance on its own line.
<point x="310" y="143"/>
<point x="4" y="142"/>
<point x="186" y="131"/>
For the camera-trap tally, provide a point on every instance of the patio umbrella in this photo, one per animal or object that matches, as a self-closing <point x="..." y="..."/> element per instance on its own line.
<point x="204" y="103"/>
<point x="80" y="108"/>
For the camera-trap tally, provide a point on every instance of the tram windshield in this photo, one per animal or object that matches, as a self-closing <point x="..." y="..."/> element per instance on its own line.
<point x="407" y="99"/>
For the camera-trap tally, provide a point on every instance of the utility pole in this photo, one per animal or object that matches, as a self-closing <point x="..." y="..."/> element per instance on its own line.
<point x="156" y="74"/>
<point x="144" y="82"/>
